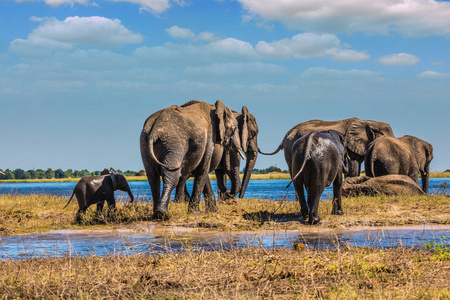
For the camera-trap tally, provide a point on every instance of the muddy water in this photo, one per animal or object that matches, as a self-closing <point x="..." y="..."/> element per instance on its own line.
<point x="152" y="239"/>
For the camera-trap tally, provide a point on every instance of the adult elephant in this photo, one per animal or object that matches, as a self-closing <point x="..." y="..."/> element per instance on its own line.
<point x="407" y="155"/>
<point x="382" y="185"/>
<point x="178" y="141"/>
<point x="358" y="133"/>
<point x="226" y="162"/>
<point x="230" y="163"/>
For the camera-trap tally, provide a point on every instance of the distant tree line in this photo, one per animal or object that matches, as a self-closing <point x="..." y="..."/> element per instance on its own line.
<point x="269" y="170"/>
<point x="58" y="173"/>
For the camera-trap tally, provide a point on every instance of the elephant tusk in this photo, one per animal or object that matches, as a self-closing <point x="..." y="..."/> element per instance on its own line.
<point x="348" y="157"/>
<point x="240" y="154"/>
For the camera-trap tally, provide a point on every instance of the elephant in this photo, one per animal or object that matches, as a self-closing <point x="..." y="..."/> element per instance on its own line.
<point x="230" y="162"/>
<point x="382" y="185"/>
<point x="318" y="160"/>
<point x="358" y="133"/>
<point x="407" y="155"/>
<point x="181" y="140"/>
<point x="96" y="189"/>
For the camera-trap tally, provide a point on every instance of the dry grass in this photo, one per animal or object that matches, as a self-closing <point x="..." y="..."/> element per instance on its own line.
<point x="41" y="213"/>
<point x="251" y="273"/>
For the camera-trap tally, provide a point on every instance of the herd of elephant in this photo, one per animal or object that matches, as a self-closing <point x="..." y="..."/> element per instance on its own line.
<point x="197" y="138"/>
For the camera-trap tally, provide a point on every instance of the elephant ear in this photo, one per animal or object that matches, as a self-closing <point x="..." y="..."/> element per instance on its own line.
<point x="423" y="152"/>
<point x="105" y="172"/>
<point x="358" y="137"/>
<point x="220" y="124"/>
<point x="114" y="181"/>
<point x="244" y="129"/>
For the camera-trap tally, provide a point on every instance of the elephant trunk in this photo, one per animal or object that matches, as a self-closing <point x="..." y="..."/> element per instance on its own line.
<point x="130" y="193"/>
<point x="249" y="165"/>
<point x="235" y="181"/>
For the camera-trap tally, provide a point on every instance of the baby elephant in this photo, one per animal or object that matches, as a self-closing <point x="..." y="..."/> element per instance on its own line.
<point x="318" y="160"/>
<point x="96" y="189"/>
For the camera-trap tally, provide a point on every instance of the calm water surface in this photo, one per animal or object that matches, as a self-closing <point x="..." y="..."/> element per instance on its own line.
<point x="149" y="241"/>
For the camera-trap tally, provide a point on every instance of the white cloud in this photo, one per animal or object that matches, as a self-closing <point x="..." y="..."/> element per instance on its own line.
<point x="236" y="69"/>
<point x="187" y="34"/>
<point x="413" y="18"/>
<point x="400" y="59"/>
<point x="180" y="55"/>
<point x="85" y="31"/>
<point x="58" y="2"/>
<point x="433" y="75"/>
<point x="324" y="73"/>
<point x="154" y="6"/>
<point x="310" y="45"/>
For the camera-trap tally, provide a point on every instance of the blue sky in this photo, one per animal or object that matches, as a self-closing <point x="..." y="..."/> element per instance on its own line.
<point x="78" y="78"/>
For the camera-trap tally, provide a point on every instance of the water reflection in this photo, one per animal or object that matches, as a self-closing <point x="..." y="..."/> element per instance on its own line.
<point x="151" y="241"/>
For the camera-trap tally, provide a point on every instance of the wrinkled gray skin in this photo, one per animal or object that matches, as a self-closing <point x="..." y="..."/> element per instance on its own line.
<point x="407" y="155"/>
<point x="318" y="160"/>
<point x="98" y="189"/>
<point x="359" y="134"/>
<point x="230" y="162"/>
<point x="382" y="185"/>
<point x="179" y="141"/>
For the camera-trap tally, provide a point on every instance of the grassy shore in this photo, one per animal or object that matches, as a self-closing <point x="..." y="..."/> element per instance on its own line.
<point x="299" y="272"/>
<point x="272" y="175"/>
<point x="41" y="213"/>
<point x="251" y="273"/>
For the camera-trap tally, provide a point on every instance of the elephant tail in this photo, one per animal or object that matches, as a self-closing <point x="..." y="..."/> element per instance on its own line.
<point x="280" y="147"/>
<point x="275" y="152"/>
<point x="151" y="140"/>
<point x="305" y="157"/>
<point x="69" y="199"/>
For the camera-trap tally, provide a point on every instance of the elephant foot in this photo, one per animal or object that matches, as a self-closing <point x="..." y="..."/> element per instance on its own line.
<point x="337" y="212"/>
<point x="212" y="209"/>
<point x="193" y="209"/>
<point x="314" y="220"/>
<point x="161" y="215"/>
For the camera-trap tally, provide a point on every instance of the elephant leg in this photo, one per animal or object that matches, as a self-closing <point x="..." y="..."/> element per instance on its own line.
<point x="221" y="183"/>
<point x="300" y="194"/>
<point x="153" y="177"/>
<point x="210" y="198"/>
<point x="181" y="192"/>
<point x="314" y="194"/>
<point x="110" y="200"/>
<point x="354" y="168"/>
<point x="170" y="181"/>
<point x="81" y="211"/>
<point x="99" y="208"/>
<point x="200" y="177"/>
<point x="337" y="189"/>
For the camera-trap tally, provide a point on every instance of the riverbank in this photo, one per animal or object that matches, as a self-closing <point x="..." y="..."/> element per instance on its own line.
<point x="299" y="271"/>
<point x="249" y="273"/>
<point x="41" y="213"/>
<point x="272" y="175"/>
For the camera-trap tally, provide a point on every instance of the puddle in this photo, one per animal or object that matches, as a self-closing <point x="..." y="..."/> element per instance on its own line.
<point x="154" y="239"/>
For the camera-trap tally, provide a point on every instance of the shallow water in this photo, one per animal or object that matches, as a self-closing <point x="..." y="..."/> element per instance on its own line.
<point x="151" y="240"/>
<point x="273" y="189"/>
